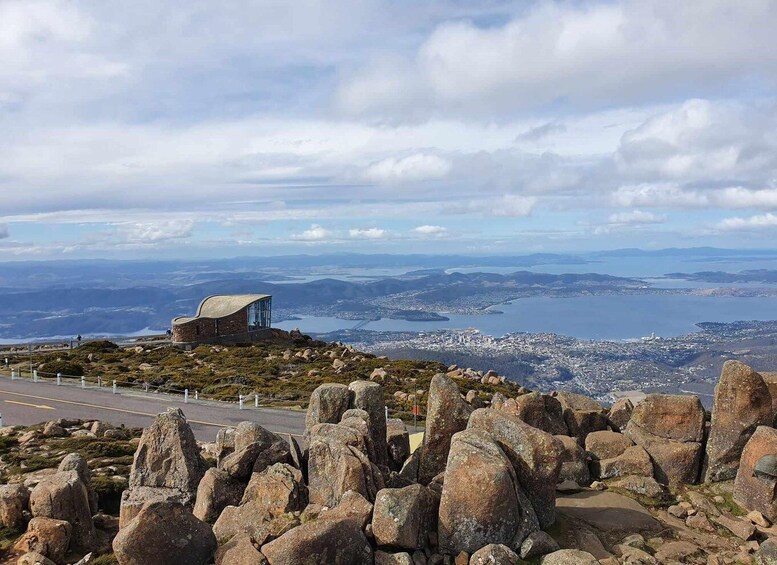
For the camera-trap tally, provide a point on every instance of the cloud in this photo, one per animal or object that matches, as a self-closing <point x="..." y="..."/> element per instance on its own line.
<point x="541" y="132"/>
<point x="635" y="217"/>
<point x="753" y="223"/>
<point x="155" y="232"/>
<point x="367" y="233"/>
<point x="554" y="53"/>
<point x="4" y="233"/>
<point x="668" y="195"/>
<point x="428" y="230"/>
<point x="413" y="168"/>
<point x="514" y="206"/>
<point x="315" y="233"/>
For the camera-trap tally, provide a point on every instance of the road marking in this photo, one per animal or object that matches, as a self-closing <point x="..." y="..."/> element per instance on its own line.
<point x="41" y="406"/>
<point x="124" y="410"/>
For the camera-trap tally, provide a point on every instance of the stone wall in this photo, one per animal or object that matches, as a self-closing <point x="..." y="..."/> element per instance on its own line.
<point x="211" y="330"/>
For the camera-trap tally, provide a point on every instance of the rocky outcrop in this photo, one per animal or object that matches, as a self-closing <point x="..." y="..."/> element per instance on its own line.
<point x="63" y="496"/>
<point x="14" y="500"/>
<point x="536" y="457"/>
<point x="755" y="486"/>
<point x="620" y="413"/>
<point x="240" y="550"/>
<point x="482" y="501"/>
<point x="494" y="554"/>
<point x="398" y="443"/>
<point x="216" y="491"/>
<point x="742" y="403"/>
<point x="46" y="536"/>
<point x="541" y="411"/>
<point x="671" y="429"/>
<point x="164" y="533"/>
<point x="446" y="414"/>
<point x="327" y="405"/>
<point x="582" y="415"/>
<point x="402" y="517"/>
<point x="574" y="461"/>
<point x="368" y="396"/>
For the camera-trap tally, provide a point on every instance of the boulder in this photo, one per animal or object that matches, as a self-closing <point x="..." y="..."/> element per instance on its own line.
<point x="606" y="444"/>
<point x="327" y="405"/>
<point x="34" y="558"/>
<point x="322" y="542"/>
<point x="644" y="486"/>
<point x="352" y="505"/>
<point x="474" y="400"/>
<point x="164" y="533"/>
<point x="63" y="496"/>
<point x="337" y="463"/>
<point x="580" y="423"/>
<point x="368" y="396"/>
<point x="398" y="443"/>
<point x="569" y="557"/>
<point x="359" y="420"/>
<point x="536" y="457"/>
<point x="541" y="411"/>
<point x="217" y="490"/>
<point x="494" y="554"/>
<point x="278" y="489"/>
<point x="240" y="550"/>
<point x="574" y="461"/>
<point x="670" y="428"/>
<point x="255" y="450"/>
<point x="384" y="558"/>
<point x="482" y="501"/>
<point x="132" y="501"/>
<point x="742" y="403"/>
<point x="538" y="543"/>
<point x="756" y="481"/>
<point x="620" y="413"/>
<point x="46" y="536"/>
<point x="168" y="455"/>
<point x="402" y="516"/>
<point x="634" y="461"/>
<point x="52" y="429"/>
<point x="75" y="462"/>
<point x="574" y="401"/>
<point x="252" y="518"/>
<point x="446" y="414"/>
<point x="14" y="500"/>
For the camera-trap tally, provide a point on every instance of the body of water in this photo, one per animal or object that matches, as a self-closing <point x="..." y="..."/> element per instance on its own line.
<point x="588" y="317"/>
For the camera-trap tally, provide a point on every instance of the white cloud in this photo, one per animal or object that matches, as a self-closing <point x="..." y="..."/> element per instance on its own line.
<point x="428" y="230"/>
<point x="155" y="232"/>
<point x="739" y="197"/>
<point x="413" y="168"/>
<point x="753" y="223"/>
<point x="315" y="233"/>
<point x="514" y="205"/>
<point x="636" y="217"/>
<point x="556" y="51"/>
<point x="367" y="233"/>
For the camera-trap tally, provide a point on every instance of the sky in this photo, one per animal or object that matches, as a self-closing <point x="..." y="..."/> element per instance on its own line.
<point x="184" y="129"/>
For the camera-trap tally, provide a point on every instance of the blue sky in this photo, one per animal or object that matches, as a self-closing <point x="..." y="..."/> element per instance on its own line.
<point x="193" y="129"/>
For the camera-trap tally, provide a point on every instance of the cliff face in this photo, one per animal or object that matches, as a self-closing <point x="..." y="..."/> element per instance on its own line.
<point x="497" y="478"/>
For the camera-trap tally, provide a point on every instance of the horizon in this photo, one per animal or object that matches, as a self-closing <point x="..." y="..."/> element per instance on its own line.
<point x="254" y="128"/>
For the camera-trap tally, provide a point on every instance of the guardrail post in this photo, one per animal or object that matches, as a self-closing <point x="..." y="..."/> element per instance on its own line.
<point x="386" y="413"/>
<point x="186" y="396"/>
<point x="145" y="387"/>
<point x="240" y="398"/>
<point x="83" y="382"/>
<point x="196" y="395"/>
<point x="1" y="420"/>
<point x="59" y="379"/>
<point x="13" y="374"/>
<point x="256" y="400"/>
<point x="114" y="386"/>
<point x="35" y="375"/>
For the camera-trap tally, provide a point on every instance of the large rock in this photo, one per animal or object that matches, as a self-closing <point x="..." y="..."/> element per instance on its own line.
<point x="325" y="541"/>
<point x="569" y="557"/>
<point x="327" y="405"/>
<point x="63" y="496"/>
<point x="75" y="462"/>
<point x="402" y="516"/>
<point x="482" y="501"/>
<point x="398" y="441"/>
<point x="541" y="411"/>
<point x="337" y="463"/>
<point x="34" y="558"/>
<point x="446" y="414"/>
<point x="133" y="500"/>
<point x="164" y="533"/>
<point x="254" y="519"/>
<point x="385" y="558"/>
<point x="46" y="536"/>
<point x="574" y="461"/>
<point x="606" y="444"/>
<point x="634" y="461"/>
<point x="240" y="550"/>
<point x="14" y="500"/>
<point x="217" y="490"/>
<point x="255" y="449"/>
<point x="494" y="554"/>
<point x="168" y="455"/>
<point x="368" y="396"/>
<point x="742" y="403"/>
<point x="671" y="429"/>
<point x="620" y="413"/>
<point x="756" y="481"/>
<point x="535" y="455"/>
<point x="278" y="489"/>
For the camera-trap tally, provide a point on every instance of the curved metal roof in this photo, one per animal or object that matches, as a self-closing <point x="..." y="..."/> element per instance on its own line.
<point x="221" y="305"/>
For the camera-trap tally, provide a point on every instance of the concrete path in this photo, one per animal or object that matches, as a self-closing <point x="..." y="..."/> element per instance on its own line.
<point x="23" y="402"/>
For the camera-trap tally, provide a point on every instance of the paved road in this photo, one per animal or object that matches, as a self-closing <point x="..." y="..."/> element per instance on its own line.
<point x="24" y="403"/>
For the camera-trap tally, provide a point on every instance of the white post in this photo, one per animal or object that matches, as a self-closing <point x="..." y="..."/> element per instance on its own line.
<point x="13" y="374"/>
<point x="256" y="400"/>
<point x="1" y="420"/>
<point x="114" y="386"/>
<point x="386" y="413"/>
<point x="83" y="382"/>
<point x="186" y="396"/>
<point x="59" y="379"/>
<point x="196" y="395"/>
<point x="241" y="401"/>
<point x="35" y="376"/>
<point x="99" y="382"/>
<point x="145" y="386"/>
